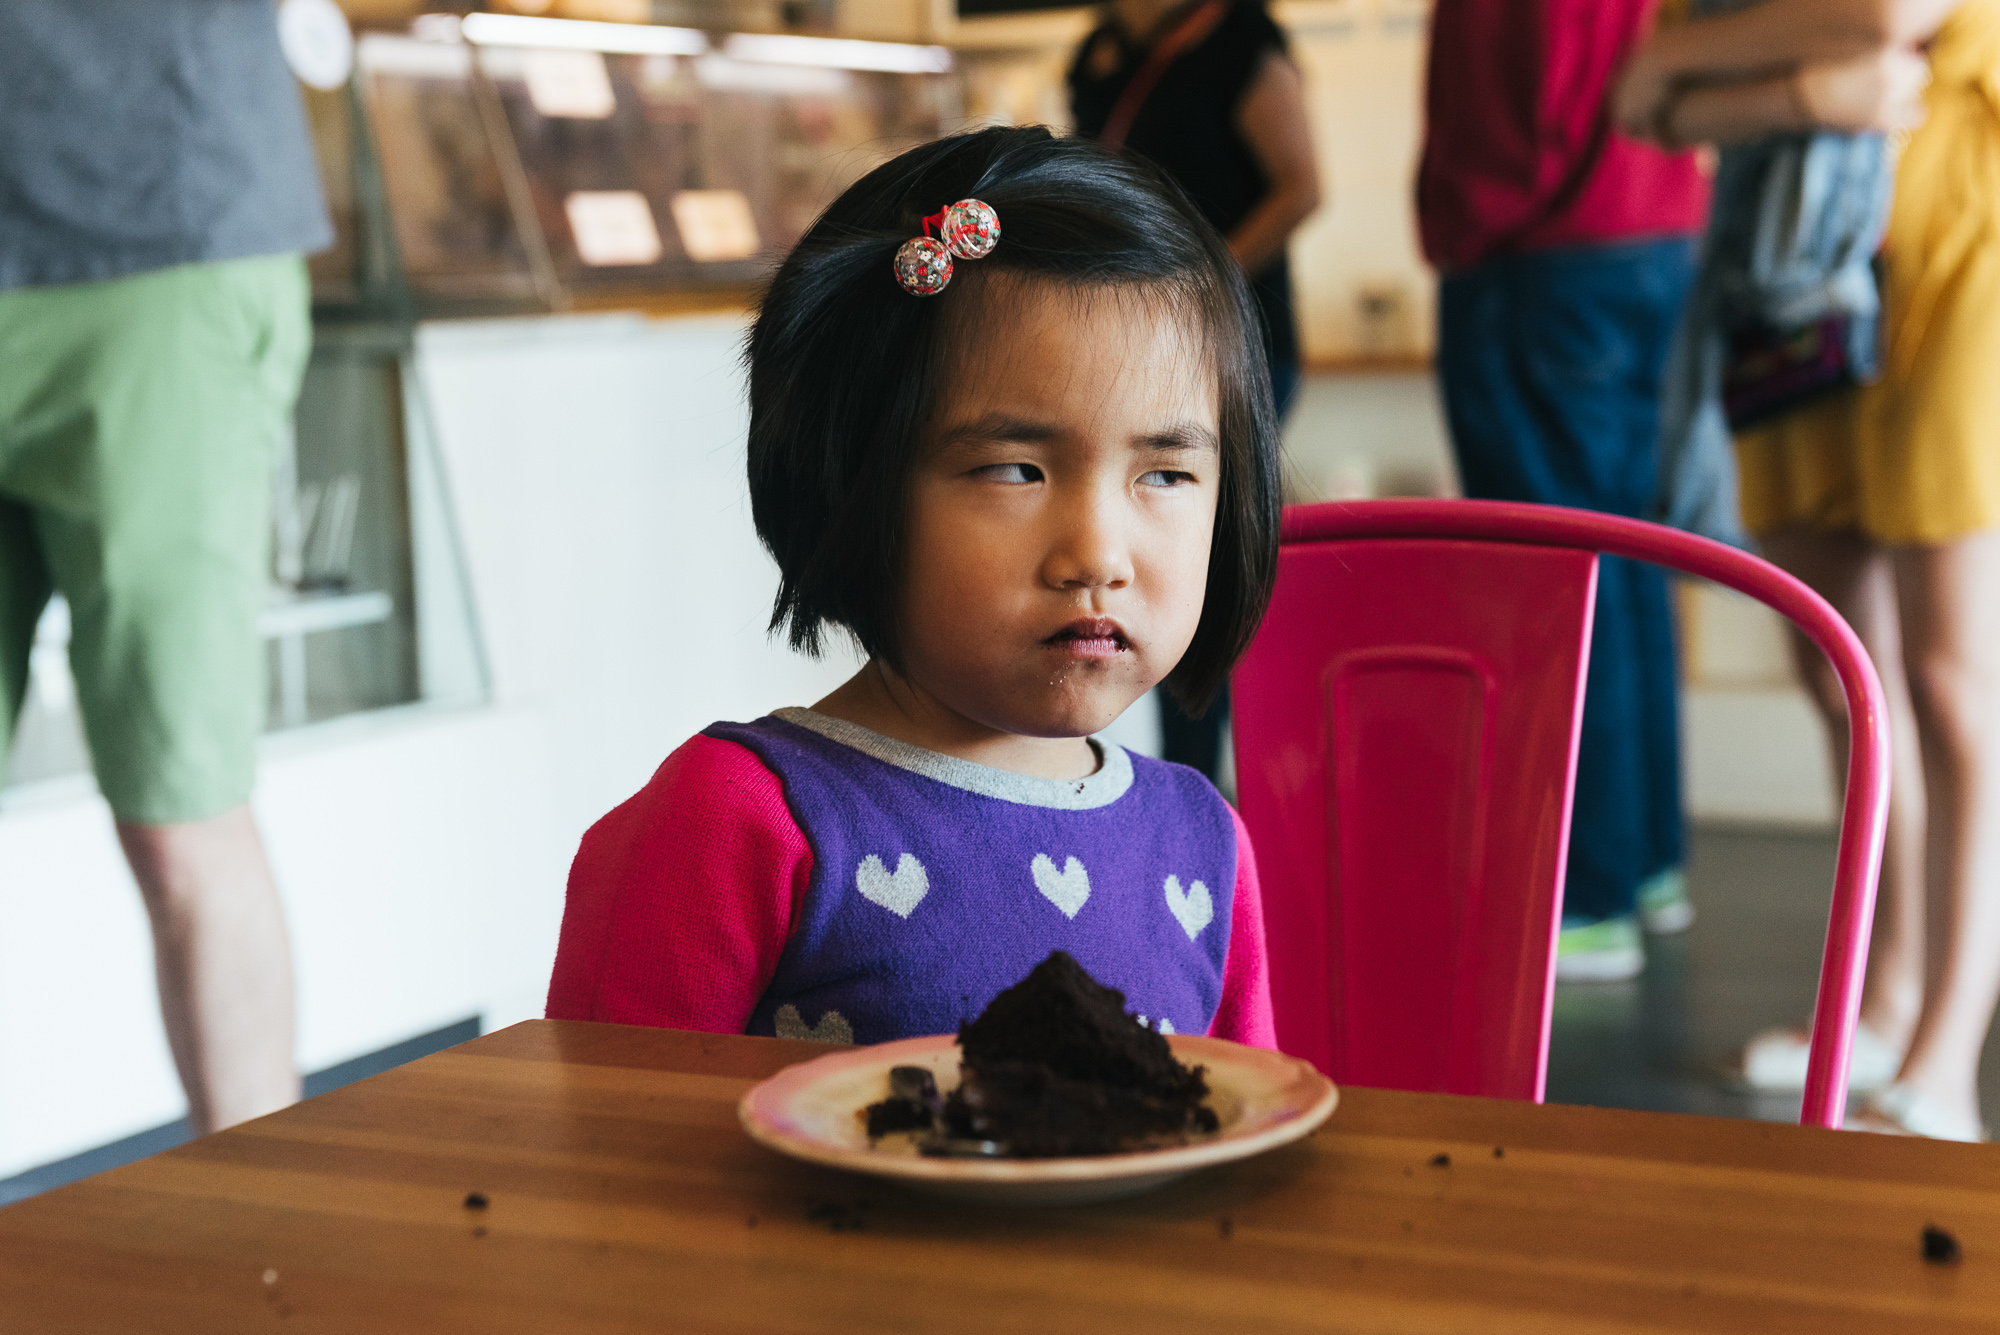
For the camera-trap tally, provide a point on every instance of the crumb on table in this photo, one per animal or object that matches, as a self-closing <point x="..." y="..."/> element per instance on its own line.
<point x="1940" y="1247"/>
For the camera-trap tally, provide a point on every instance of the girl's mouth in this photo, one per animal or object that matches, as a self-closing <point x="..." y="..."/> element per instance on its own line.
<point x="1090" y="637"/>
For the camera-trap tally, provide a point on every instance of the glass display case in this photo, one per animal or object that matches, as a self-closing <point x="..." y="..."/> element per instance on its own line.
<point x="441" y="197"/>
<point x="612" y="163"/>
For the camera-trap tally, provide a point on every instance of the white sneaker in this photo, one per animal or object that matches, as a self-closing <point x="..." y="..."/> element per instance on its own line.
<point x="1607" y="951"/>
<point x="1663" y="903"/>
<point x="1903" y="1110"/>
<point x="1775" y="1061"/>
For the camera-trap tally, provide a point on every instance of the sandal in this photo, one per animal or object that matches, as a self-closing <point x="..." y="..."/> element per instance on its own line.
<point x="1775" y="1062"/>
<point x="1903" y="1110"/>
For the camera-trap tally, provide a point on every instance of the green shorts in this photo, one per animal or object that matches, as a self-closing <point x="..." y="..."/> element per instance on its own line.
<point x="139" y="423"/>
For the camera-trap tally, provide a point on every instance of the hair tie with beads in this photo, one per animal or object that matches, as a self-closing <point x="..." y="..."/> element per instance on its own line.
<point x="968" y="229"/>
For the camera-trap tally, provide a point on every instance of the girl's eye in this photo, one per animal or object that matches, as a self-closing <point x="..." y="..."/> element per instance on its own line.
<point x="1165" y="477"/>
<point x="1014" y="473"/>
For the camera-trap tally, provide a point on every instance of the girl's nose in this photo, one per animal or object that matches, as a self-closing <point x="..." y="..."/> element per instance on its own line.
<point x="1091" y="549"/>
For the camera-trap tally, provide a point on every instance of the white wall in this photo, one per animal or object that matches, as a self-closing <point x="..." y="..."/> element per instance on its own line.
<point x="598" y="472"/>
<point x="1363" y="62"/>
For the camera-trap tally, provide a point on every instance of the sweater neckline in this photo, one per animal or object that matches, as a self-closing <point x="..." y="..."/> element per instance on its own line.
<point x="1100" y="788"/>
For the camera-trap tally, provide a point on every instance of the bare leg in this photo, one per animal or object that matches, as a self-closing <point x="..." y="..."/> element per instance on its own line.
<point x="1950" y="601"/>
<point x="224" y="964"/>
<point x="1856" y="577"/>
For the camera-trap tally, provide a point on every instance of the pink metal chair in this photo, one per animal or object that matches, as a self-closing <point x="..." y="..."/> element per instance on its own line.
<point x="1406" y="727"/>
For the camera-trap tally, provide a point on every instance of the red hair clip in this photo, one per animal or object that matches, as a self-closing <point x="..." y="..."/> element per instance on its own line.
<point x="968" y="229"/>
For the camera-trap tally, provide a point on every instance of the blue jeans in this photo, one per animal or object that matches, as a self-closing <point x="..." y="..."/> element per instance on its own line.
<point x="1550" y="366"/>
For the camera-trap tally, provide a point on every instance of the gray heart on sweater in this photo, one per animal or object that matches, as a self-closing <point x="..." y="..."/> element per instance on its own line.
<point x="832" y="1027"/>
<point x="1192" y="907"/>
<point x="898" y="892"/>
<point x="1066" y="889"/>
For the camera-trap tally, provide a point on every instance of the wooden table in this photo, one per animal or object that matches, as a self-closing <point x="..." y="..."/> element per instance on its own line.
<point x="623" y="1197"/>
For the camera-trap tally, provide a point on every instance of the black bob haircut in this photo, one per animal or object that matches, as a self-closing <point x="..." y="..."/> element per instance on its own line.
<point x="846" y="367"/>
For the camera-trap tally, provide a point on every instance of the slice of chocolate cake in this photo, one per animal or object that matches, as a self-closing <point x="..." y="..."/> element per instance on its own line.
<point x="1055" y="1067"/>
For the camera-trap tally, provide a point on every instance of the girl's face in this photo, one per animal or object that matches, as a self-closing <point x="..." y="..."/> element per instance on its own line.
<point x="1061" y="508"/>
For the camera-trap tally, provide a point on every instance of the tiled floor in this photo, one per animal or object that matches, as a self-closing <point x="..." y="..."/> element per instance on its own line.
<point x="1750" y="961"/>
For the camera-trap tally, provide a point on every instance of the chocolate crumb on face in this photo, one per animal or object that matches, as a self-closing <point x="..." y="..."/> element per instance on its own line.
<point x="1440" y="1161"/>
<point x="475" y="1200"/>
<point x="1225" y="1228"/>
<point x="1499" y="1151"/>
<point x="1940" y="1247"/>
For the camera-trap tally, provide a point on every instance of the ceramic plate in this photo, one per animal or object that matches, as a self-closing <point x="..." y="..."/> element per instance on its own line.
<point x="809" y="1111"/>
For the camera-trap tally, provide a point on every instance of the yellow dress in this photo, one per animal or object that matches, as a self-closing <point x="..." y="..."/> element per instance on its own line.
<point x="1914" y="459"/>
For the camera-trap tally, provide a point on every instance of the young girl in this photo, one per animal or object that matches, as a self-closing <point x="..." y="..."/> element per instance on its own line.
<point x="1032" y="484"/>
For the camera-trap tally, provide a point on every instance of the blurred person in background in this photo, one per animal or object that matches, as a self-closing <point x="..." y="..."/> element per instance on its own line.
<point x="1207" y="90"/>
<point x="1885" y="497"/>
<point x="157" y="187"/>
<point x="1565" y="251"/>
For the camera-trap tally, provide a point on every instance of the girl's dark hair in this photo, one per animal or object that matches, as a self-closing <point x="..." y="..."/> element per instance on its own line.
<point x="845" y="367"/>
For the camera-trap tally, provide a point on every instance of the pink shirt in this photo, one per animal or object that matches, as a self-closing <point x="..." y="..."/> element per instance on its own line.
<point x="1519" y="154"/>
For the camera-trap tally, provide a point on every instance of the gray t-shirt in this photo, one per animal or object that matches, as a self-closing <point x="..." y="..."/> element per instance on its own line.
<point x="138" y="134"/>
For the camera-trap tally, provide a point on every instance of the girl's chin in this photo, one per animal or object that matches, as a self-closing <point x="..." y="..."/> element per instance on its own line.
<point x="1077" y="713"/>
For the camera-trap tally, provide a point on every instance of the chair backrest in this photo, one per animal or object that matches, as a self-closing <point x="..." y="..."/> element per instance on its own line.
<point x="1406" y="727"/>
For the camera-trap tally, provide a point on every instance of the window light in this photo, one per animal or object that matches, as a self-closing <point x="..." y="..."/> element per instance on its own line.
<point x="639" y="39"/>
<point x="836" y="52"/>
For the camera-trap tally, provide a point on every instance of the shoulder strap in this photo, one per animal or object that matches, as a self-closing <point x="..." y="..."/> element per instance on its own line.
<point x="1183" y="35"/>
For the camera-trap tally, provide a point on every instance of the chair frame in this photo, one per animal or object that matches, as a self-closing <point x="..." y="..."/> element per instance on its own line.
<point x="1865" y="809"/>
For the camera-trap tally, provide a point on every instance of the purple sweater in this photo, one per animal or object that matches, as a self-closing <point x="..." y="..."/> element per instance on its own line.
<point x="805" y="877"/>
